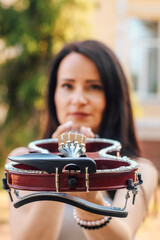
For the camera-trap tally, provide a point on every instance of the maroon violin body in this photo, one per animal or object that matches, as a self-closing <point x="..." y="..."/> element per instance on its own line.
<point x="71" y="164"/>
<point x="112" y="171"/>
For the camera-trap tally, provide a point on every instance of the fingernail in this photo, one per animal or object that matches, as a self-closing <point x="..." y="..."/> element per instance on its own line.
<point x="68" y="124"/>
<point x="89" y="130"/>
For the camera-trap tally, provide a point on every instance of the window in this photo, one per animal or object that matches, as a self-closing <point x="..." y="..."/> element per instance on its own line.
<point x="144" y="57"/>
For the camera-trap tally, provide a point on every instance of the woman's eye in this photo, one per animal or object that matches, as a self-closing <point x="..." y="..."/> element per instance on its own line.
<point x="67" y="86"/>
<point x="96" y="87"/>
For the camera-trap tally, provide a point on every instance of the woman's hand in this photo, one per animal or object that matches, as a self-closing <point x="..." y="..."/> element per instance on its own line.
<point x="93" y="197"/>
<point x="69" y="126"/>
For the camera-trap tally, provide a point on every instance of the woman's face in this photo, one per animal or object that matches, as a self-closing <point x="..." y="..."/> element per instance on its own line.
<point x="79" y="94"/>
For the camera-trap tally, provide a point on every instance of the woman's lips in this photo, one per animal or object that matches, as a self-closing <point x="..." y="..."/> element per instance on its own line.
<point x="79" y="114"/>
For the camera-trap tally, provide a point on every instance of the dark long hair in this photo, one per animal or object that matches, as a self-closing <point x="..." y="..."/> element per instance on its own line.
<point x="117" y="122"/>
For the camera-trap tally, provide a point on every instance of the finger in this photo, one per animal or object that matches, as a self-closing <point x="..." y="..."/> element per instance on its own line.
<point x="62" y="128"/>
<point x="87" y="132"/>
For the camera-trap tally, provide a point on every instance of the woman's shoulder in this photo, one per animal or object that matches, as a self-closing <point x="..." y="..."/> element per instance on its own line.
<point x="149" y="176"/>
<point x="19" y="151"/>
<point x="146" y="163"/>
<point x="147" y="168"/>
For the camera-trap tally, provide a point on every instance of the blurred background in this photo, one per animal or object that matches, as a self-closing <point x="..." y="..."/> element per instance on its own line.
<point x="32" y="32"/>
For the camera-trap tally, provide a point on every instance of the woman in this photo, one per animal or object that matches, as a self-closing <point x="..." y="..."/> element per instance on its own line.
<point x="88" y="91"/>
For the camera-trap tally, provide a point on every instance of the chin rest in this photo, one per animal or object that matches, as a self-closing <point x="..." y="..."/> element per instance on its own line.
<point x="49" y="162"/>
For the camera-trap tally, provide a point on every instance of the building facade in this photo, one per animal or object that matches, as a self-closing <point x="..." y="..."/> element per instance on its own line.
<point x="132" y="29"/>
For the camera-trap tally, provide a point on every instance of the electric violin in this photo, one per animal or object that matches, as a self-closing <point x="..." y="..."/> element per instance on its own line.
<point x="72" y="163"/>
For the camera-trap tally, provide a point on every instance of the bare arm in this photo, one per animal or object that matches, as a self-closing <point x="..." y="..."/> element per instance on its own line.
<point x="38" y="220"/>
<point x="121" y="229"/>
<point x="42" y="220"/>
<point x="124" y="229"/>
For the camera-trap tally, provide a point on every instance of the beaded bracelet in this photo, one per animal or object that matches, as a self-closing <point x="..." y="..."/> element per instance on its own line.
<point x="91" y="225"/>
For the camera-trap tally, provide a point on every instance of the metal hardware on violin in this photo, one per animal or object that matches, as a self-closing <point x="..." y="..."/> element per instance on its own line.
<point x="72" y="163"/>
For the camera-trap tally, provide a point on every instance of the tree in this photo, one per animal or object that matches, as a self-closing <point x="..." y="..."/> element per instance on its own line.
<point x="33" y="31"/>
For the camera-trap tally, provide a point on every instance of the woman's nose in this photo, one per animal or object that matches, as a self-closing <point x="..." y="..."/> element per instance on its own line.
<point x="79" y="97"/>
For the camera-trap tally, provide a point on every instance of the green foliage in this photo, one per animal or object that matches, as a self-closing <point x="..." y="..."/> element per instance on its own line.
<point x="33" y="31"/>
